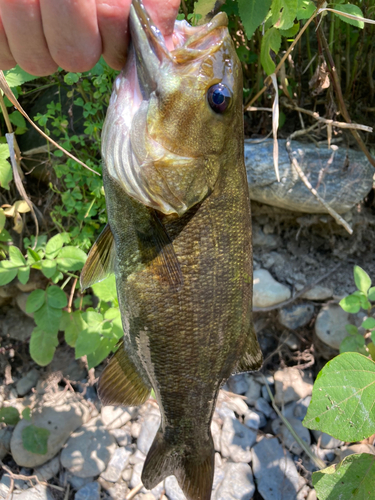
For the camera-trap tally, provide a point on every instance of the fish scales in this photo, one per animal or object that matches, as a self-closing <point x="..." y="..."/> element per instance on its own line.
<point x="179" y="238"/>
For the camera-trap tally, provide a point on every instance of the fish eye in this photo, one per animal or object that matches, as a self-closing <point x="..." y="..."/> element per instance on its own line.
<point x="219" y="97"/>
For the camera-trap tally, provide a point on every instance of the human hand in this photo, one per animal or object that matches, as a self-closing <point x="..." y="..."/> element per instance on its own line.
<point x="41" y="35"/>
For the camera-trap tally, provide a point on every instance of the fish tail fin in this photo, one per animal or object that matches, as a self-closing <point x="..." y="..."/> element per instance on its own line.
<point x="193" y="467"/>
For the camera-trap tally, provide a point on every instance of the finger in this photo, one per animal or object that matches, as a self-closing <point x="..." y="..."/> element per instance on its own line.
<point x="113" y="26"/>
<point x="24" y="30"/>
<point x="6" y="58"/>
<point x="163" y="13"/>
<point x="72" y="33"/>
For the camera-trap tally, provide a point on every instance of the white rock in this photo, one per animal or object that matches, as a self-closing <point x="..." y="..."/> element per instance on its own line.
<point x="216" y="434"/>
<point x="290" y="385"/>
<point x="149" y="429"/>
<point x="48" y="470"/>
<point x="326" y="441"/>
<point x="236" y="404"/>
<point x="61" y="420"/>
<point x="27" y="382"/>
<point x="254" y="391"/>
<point x="267" y="291"/>
<point x="117" y="464"/>
<point x="238" y="483"/>
<point x="236" y="440"/>
<point x="114" y="417"/>
<point x="330" y="325"/>
<point x="318" y="292"/>
<point x="286" y="437"/>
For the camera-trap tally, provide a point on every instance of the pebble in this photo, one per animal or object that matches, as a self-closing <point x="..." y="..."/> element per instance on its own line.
<point x="216" y="435"/>
<point x="330" y="325"/>
<point x="223" y="411"/>
<point x="48" y="470"/>
<point x="89" y="492"/>
<point x="137" y="457"/>
<point x="300" y="409"/>
<point x="136" y="479"/>
<point x="114" y="417"/>
<point x="238" y="384"/>
<point x="255" y="419"/>
<point x="173" y="490"/>
<point x="39" y="492"/>
<point x="295" y="316"/>
<point x="218" y="472"/>
<point x="127" y="473"/>
<point x="267" y="291"/>
<point x="265" y="394"/>
<point x="236" y="440"/>
<point x="290" y="340"/>
<point x="238" y="483"/>
<point x="269" y="241"/>
<point x="286" y="437"/>
<point x="238" y="405"/>
<point x="75" y="481"/>
<point x="117" y="464"/>
<point x="5" y="437"/>
<point x="26" y="383"/>
<point x="135" y="429"/>
<point x="254" y="392"/>
<point x="117" y="490"/>
<point x="263" y="406"/>
<point x="318" y="292"/>
<point x="88" y="450"/>
<point x="290" y="385"/>
<point x="61" y="420"/>
<point x="274" y="470"/>
<point x="16" y="326"/>
<point x="149" y="429"/>
<point x="123" y="436"/>
<point x="327" y="441"/>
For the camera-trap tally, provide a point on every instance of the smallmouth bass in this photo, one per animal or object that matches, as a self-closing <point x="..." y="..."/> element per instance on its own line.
<point x="178" y="239"/>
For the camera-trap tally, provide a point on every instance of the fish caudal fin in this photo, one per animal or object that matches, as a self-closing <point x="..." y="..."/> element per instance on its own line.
<point x="193" y="468"/>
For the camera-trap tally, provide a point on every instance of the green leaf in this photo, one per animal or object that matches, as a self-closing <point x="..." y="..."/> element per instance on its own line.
<point x="35" y="439"/>
<point x="32" y="256"/>
<point x="270" y="41"/>
<point x="42" y="346"/>
<point x="26" y="413"/>
<point x="72" y="324"/>
<point x="368" y="323"/>
<point x="17" y="76"/>
<point x="342" y="402"/>
<point x="105" y="346"/>
<point x="17" y="119"/>
<point x="56" y="297"/>
<point x="71" y="78"/>
<point x="252" y="13"/>
<point x="35" y="301"/>
<point x="87" y="342"/>
<point x="7" y="275"/>
<point x="283" y="13"/>
<point x="354" y="343"/>
<point x="291" y="32"/>
<point x="351" y="304"/>
<point x="362" y="280"/>
<point x="350" y="9"/>
<point x="48" y="268"/>
<point x="351" y="329"/>
<point x="48" y="318"/>
<point x="24" y="274"/>
<point x="54" y="245"/>
<point x="16" y="256"/>
<point x="113" y="314"/>
<point x="9" y="415"/>
<point x="2" y="219"/>
<point x="106" y="289"/>
<point x="305" y="9"/>
<point x="203" y="7"/>
<point x="351" y="479"/>
<point x="71" y="259"/>
<point x="371" y="294"/>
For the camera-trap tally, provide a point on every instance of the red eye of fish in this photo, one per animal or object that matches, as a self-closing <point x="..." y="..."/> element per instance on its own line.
<point x="219" y="97"/>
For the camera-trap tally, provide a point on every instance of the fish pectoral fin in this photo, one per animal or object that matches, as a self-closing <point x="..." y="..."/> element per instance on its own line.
<point x="121" y="383"/>
<point x="101" y="260"/>
<point x="252" y="359"/>
<point x="193" y="468"/>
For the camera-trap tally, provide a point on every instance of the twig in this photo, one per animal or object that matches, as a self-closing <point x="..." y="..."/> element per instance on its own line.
<point x="306" y="448"/>
<point x="298" y="294"/>
<point x="14" y="476"/>
<point x="72" y="295"/>
<point x="309" y="186"/>
<point x="134" y="491"/>
<point x="334" y="123"/>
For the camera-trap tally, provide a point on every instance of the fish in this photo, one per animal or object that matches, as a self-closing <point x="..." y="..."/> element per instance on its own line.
<point x="178" y="239"/>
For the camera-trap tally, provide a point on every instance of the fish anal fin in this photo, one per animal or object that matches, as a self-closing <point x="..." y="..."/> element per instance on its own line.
<point x="100" y="261"/>
<point x="252" y="358"/>
<point x="193" y="468"/>
<point x="120" y="382"/>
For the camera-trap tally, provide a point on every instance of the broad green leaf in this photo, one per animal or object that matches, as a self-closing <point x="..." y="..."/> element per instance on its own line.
<point x="32" y="256"/>
<point x="17" y="119"/>
<point x="252" y="14"/>
<point x="106" y="289"/>
<point x="362" y="280"/>
<point x="101" y="352"/>
<point x="87" y="342"/>
<point x="371" y="294"/>
<point x="350" y="9"/>
<point x="270" y="41"/>
<point x="48" y="267"/>
<point x="42" y="346"/>
<point x="371" y="349"/>
<point x="56" y="297"/>
<point x="72" y="324"/>
<point x="351" y="479"/>
<point x="353" y="343"/>
<point x="6" y="174"/>
<point x="71" y="259"/>
<point x="26" y="413"/>
<point x="203" y="7"/>
<point x="48" y="318"/>
<point x="2" y="219"/>
<point x="54" y="245"/>
<point x="351" y="304"/>
<point x="16" y="256"/>
<point x="305" y="9"/>
<point x="9" y="415"/>
<point x="23" y="274"/>
<point x="113" y="314"/>
<point x="342" y="402"/>
<point x="283" y="13"/>
<point x="17" y="76"/>
<point x="35" y="301"/>
<point x="368" y="324"/>
<point x="5" y="236"/>
<point x="35" y="439"/>
<point x="7" y="275"/>
<point x="351" y="329"/>
<point x="291" y="32"/>
<point x="4" y="151"/>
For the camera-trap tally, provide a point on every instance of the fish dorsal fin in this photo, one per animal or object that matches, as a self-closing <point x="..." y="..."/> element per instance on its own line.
<point x="121" y="383"/>
<point x="101" y="260"/>
<point x="252" y="358"/>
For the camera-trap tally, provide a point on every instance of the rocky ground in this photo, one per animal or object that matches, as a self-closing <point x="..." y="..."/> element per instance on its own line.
<point x="303" y="266"/>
